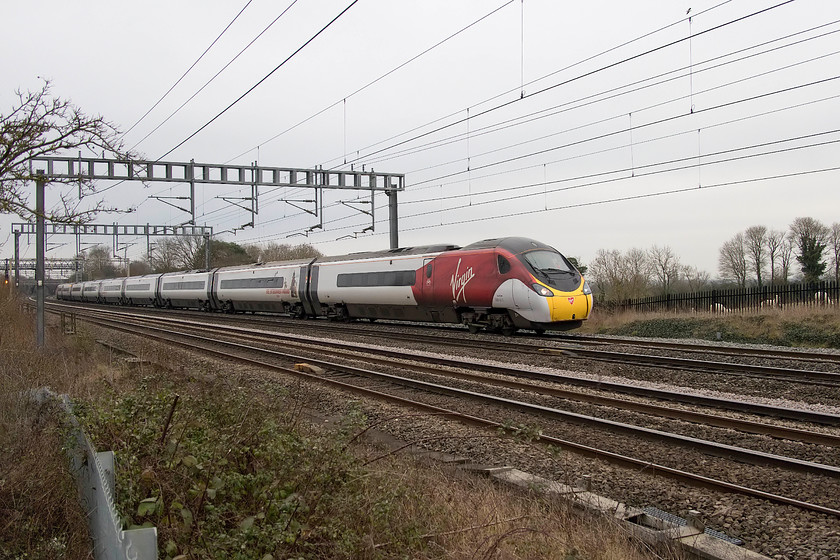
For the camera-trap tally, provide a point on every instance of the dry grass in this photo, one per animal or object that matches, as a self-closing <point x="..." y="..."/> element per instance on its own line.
<point x="471" y="517"/>
<point x="40" y="516"/>
<point x="817" y="327"/>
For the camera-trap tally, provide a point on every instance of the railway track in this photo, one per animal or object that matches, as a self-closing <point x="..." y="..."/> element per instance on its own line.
<point x="576" y="346"/>
<point x="683" y="397"/>
<point x="255" y="353"/>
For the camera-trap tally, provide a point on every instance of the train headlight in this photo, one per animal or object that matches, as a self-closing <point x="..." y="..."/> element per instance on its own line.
<point x="542" y="290"/>
<point x="587" y="290"/>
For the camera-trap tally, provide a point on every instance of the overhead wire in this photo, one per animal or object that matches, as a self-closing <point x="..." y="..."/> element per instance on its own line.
<point x="260" y="82"/>
<point x="576" y="78"/>
<point x="695" y="35"/>
<point x="499" y="95"/>
<point x="625" y="177"/>
<point x="615" y="148"/>
<point x="624" y="130"/>
<point x="216" y="75"/>
<point x="633" y="128"/>
<point x="178" y="81"/>
<point x="539" y="79"/>
<point x="600" y="97"/>
<point x="376" y="80"/>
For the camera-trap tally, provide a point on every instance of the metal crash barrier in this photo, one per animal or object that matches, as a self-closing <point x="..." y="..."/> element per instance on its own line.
<point x="94" y="473"/>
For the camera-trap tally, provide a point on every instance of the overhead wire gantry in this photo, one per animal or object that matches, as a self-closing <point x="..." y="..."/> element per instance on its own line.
<point x="66" y="169"/>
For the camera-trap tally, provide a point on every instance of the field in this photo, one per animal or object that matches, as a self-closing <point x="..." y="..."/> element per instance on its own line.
<point x="803" y="327"/>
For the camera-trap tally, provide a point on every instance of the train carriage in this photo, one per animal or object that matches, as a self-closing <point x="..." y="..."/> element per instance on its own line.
<point x="141" y="290"/>
<point x="90" y="291"/>
<point x="75" y="292"/>
<point x="268" y="287"/>
<point x="370" y="285"/>
<point x="62" y="291"/>
<point x="111" y="291"/>
<point x="189" y="289"/>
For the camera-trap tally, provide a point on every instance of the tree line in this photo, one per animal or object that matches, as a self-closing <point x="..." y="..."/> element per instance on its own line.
<point x="185" y="253"/>
<point x="760" y="256"/>
<point x="757" y="256"/>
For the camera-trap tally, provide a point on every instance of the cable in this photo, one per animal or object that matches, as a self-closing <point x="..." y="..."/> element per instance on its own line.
<point x="637" y="174"/>
<point x="639" y="126"/>
<point x="383" y="76"/>
<point x="601" y="97"/>
<point x="216" y="75"/>
<point x="609" y="200"/>
<point x="146" y="114"/>
<point x="621" y="147"/>
<point x="252" y="88"/>
<point x="625" y="170"/>
<point x="576" y="78"/>
<point x="629" y="129"/>
<point x="541" y="78"/>
<point x="640" y="196"/>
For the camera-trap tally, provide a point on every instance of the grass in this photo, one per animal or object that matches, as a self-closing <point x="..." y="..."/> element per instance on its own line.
<point x="801" y="327"/>
<point x="40" y="515"/>
<point x="225" y="465"/>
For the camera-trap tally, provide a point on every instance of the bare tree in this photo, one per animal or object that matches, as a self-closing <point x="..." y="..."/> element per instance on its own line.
<point x="732" y="260"/>
<point x="665" y="266"/>
<point x="41" y="125"/>
<point x="139" y="268"/>
<point x="785" y="256"/>
<point x="755" y="239"/>
<point x="273" y="251"/>
<point x="695" y="279"/>
<point x="774" y="247"/>
<point x="605" y="273"/>
<point x="176" y="253"/>
<point x="637" y="273"/>
<point x="99" y="263"/>
<point x="809" y="236"/>
<point x="618" y="276"/>
<point x="834" y="249"/>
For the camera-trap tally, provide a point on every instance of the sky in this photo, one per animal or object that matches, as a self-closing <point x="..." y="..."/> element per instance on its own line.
<point x="585" y="125"/>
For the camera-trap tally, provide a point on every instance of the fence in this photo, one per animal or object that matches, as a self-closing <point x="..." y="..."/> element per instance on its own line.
<point x="782" y="296"/>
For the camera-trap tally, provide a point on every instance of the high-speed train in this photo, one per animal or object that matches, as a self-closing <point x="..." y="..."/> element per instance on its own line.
<point x="499" y="285"/>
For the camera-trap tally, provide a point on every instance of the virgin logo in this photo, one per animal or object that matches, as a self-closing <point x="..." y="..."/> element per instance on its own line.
<point x="459" y="282"/>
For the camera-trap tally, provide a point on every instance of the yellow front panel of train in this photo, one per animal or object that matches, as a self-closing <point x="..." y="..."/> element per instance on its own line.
<point x="570" y="307"/>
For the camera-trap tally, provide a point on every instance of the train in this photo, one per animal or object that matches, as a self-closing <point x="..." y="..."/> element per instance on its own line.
<point x="496" y="285"/>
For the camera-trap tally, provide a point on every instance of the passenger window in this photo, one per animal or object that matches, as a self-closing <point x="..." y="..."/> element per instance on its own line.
<point x="504" y="265"/>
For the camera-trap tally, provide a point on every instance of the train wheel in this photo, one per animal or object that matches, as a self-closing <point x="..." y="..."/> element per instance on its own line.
<point x="508" y="331"/>
<point x="473" y="328"/>
<point x="539" y="332"/>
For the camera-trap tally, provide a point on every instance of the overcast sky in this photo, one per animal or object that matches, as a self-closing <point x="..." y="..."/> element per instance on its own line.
<point x="586" y="125"/>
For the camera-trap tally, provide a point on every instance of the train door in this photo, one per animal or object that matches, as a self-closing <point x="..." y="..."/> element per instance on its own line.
<point x="308" y="289"/>
<point x="428" y="279"/>
<point x="428" y="289"/>
<point x="213" y="291"/>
